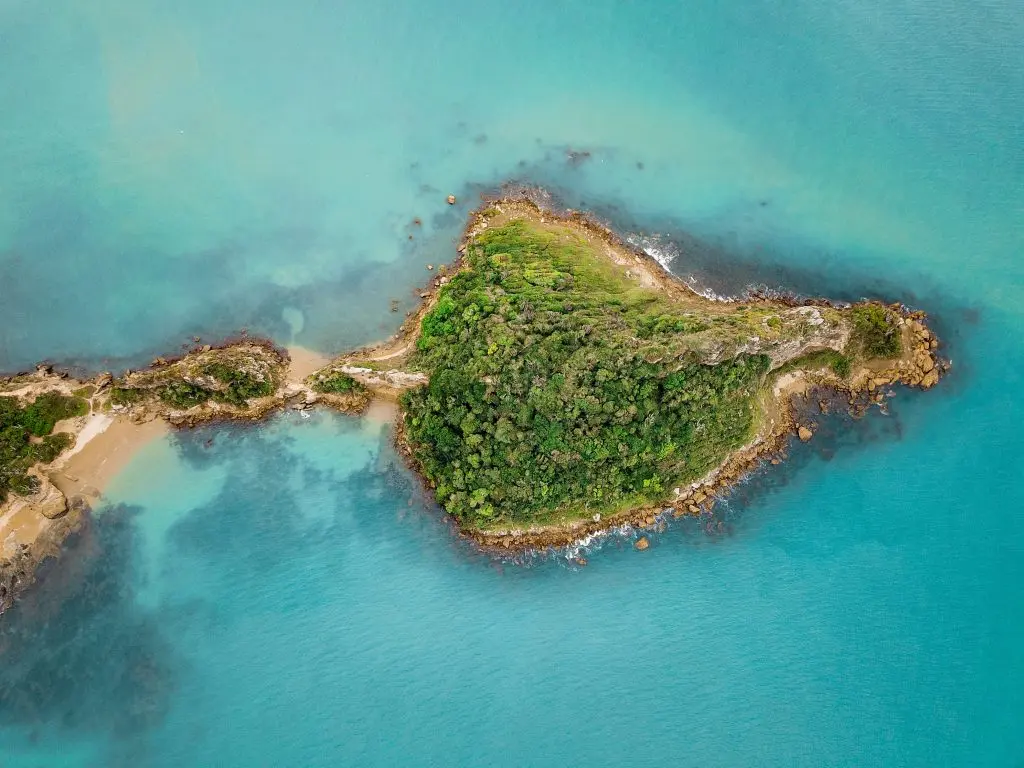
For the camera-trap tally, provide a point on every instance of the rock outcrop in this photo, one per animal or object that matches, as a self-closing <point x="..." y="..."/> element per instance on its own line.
<point x="395" y="380"/>
<point x="19" y="561"/>
<point x="49" y="501"/>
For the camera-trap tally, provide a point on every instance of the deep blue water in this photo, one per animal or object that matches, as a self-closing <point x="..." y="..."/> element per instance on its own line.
<point x="287" y="596"/>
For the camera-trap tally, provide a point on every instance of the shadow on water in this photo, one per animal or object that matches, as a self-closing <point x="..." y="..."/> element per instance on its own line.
<point x="83" y="657"/>
<point x="254" y="520"/>
<point x="835" y="431"/>
<point x="77" y="651"/>
<point x="277" y="504"/>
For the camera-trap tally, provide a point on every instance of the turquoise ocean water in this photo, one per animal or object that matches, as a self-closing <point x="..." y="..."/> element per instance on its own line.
<point x="286" y="596"/>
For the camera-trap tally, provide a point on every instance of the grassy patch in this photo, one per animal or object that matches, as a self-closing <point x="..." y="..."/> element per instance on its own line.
<point x="126" y="396"/>
<point x="233" y="385"/>
<point x="839" y="363"/>
<point x="559" y="387"/>
<point x="40" y="417"/>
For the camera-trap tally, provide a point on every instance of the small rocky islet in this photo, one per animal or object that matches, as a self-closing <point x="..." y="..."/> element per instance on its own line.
<point x="553" y="383"/>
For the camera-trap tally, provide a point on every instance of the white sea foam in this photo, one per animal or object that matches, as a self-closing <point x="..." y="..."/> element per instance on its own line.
<point x="654" y="246"/>
<point x="707" y="293"/>
<point x="666" y="253"/>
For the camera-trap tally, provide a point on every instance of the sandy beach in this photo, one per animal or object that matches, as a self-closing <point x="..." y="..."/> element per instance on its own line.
<point x="104" y="448"/>
<point x="304" y="362"/>
<point x="34" y="528"/>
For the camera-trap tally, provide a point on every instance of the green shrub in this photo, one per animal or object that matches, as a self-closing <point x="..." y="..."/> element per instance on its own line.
<point x="182" y="395"/>
<point x="241" y="386"/>
<point x="17" y="427"/>
<point x="842" y="365"/>
<point x="875" y="332"/>
<point x="125" y="396"/>
<point x="10" y="412"/>
<point x="40" y="417"/>
<point x="338" y="383"/>
<point x="826" y="358"/>
<point x="52" y="446"/>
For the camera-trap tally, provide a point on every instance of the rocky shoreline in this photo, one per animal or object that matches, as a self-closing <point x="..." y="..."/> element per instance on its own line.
<point x="33" y="527"/>
<point x="19" y="565"/>
<point x="919" y="367"/>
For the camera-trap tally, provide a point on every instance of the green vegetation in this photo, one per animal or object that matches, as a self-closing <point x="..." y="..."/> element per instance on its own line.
<point x="181" y="394"/>
<point x="338" y="383"/>
<point x="234" y="386"/>
<point x="240" y="385"/>
<point x="875" y="333"/>
<point x="126" y="396"/>
<point x="46" y="410"/>
<point x="559" y="387"/>
<point x="19" y="425"/>
<point x="840" y="364"/>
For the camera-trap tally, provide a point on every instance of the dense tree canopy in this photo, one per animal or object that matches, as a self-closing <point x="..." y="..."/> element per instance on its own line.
<point x="558" y="386"/>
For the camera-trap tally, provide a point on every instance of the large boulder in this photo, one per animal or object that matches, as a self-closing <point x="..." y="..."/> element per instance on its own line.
<point x="48" y="500"/>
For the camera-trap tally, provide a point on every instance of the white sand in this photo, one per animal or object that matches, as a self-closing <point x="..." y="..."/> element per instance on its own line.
<point x="95" y="425"/>
<point x="304" y="362"/>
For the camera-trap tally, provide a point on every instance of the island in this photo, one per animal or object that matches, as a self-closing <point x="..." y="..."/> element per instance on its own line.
<point x="555" y="382"/>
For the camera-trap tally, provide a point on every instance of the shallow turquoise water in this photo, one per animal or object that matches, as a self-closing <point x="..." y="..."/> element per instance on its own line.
<point x="286" y="596"/>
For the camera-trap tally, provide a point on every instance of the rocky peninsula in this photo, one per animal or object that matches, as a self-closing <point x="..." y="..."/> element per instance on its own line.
<point x="554" y="382"/>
